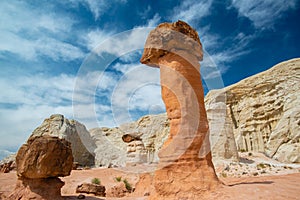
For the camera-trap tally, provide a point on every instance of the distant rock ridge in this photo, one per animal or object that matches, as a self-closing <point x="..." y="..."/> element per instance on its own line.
<point x="264" y="111"/>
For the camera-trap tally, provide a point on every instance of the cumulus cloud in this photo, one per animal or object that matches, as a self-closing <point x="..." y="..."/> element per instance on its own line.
<point x="263" y="13"/>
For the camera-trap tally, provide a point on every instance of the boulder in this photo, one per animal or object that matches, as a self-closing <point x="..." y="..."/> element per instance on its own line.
<point x="118" y="190"/>
<point x="39" y="164"/>
<point x="90" y="188"/>
<point x="81" y="142"/>
<point x="44" y="157"/>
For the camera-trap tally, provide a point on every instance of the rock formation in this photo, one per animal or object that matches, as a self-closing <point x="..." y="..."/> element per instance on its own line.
<point x="111" y="150"/>
<point x="136" y="151"/>
<point x="44" y="157"/>
<point x="39" y="164"/>
<point x="185" y="166"/>
<point x="74" y="132"/>
<point x="8" y="164"/>
<point x="90" y="188"/>
<point x="264" y="111"/>
<point x="221" y="130"/>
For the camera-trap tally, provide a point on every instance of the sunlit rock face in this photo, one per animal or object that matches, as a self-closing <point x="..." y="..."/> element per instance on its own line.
<point x="264" y="111"/>
<point x="185" y="166"/>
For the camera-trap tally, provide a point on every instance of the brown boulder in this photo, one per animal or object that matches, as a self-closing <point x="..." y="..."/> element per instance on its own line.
<point x="185" y="168"/>
<point x="119" y="190"/>
<point x="44" y="157"/>
<point x="90" y="188"/>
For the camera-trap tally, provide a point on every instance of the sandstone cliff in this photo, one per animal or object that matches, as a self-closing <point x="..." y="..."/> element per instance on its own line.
<point x="264" y="111"/>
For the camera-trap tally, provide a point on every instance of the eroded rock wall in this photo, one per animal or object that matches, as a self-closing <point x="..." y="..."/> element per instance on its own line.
<point x="265" y="113"/>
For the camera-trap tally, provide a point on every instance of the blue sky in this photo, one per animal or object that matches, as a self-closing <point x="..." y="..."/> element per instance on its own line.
<point x="80" y="58"/>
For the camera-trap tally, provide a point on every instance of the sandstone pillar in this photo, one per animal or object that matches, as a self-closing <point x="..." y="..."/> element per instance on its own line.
<point x="185" y="168"/>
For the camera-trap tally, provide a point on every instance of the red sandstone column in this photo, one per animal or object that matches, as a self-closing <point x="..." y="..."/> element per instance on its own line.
<point x="185" y="167"/>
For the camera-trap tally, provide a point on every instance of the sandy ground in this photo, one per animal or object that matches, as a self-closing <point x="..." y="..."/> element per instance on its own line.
<point x="254" y="177"/>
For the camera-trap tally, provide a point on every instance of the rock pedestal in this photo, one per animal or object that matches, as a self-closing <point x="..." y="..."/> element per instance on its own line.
<point x="185" y="166"/>
<point x="39" y="164"/>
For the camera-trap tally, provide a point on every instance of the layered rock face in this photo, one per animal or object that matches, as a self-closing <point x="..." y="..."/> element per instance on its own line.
<point x="39" y="164"/>
<point x="221" y="129"/>
<point x="74" y="132"/>
<point x="185" y="156"/>
<point x="151" y="131"/>
<point x="264" y="111"/>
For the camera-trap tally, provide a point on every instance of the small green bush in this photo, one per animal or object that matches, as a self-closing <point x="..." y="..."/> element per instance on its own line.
<point x="96" y="181"/>
<point x="119" y="178"/>
<point x="224" y="175"/>
<point x="127" y="185"/>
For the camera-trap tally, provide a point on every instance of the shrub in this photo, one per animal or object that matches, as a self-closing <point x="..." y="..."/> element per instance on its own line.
<point x="262" y="165"/>
<point x="119" y="178"/>
<point x="127" y="185"/>
<point x="224" y="175"/>
<point x="96" y="181"/>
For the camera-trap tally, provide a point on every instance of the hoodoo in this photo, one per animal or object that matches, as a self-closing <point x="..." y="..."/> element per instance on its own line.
<point x="185" y="167"/>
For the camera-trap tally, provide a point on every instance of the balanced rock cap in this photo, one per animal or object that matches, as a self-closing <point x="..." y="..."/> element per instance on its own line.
<point x="171" y="38"/>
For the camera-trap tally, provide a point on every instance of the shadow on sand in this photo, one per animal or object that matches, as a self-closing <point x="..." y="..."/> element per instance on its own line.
<point x="250" y="183"/>
<point x="86" y="197"/>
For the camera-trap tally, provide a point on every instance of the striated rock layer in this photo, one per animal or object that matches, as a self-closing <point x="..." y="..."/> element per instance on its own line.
<point x="151" y="131"/>
<point x="264" y="111"/>
<point x="185" y="166"/>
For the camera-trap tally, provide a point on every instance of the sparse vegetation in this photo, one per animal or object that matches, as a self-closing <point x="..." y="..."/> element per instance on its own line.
<point x="262" y="166"/>
<point x="127" y="185"/>
<point x="242" y="150"/>
<point x="255" y="174"/>
<point x="96" y="181"/>
<point x="249" y="154"/>
<point x="118" y="179"/>
<point x="224" y="175"/>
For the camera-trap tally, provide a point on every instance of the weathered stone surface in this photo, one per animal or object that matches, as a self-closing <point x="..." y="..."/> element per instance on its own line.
<point x="44" y="157"/>
<point x="8" y="164"/>
<point x="90" y="188"/>
<point x="111" y="150"/>
<point x="71" y="130"/>
<point x="185" y="156"/>
<point x="136" y="153"/>
<point x="38" y="189"/>
<point x="221" y="129"/>
<point x="118" y="190"/>
<point x="264" y="111"/>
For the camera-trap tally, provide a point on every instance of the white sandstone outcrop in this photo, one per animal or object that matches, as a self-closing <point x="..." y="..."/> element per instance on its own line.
<point x="264" y="111"/>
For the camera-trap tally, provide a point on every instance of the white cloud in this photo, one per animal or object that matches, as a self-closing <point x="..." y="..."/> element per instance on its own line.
<point x="191" y="10"/>
<point x="263" y="13"/>
<point x="30" y="32"/>
<point x="154" y="21"/>
<point x="98" y="7"/>
<point x="138" y="89"/>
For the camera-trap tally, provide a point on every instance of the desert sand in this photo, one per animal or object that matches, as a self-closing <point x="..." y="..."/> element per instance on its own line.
<point x="243" y="180"/>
